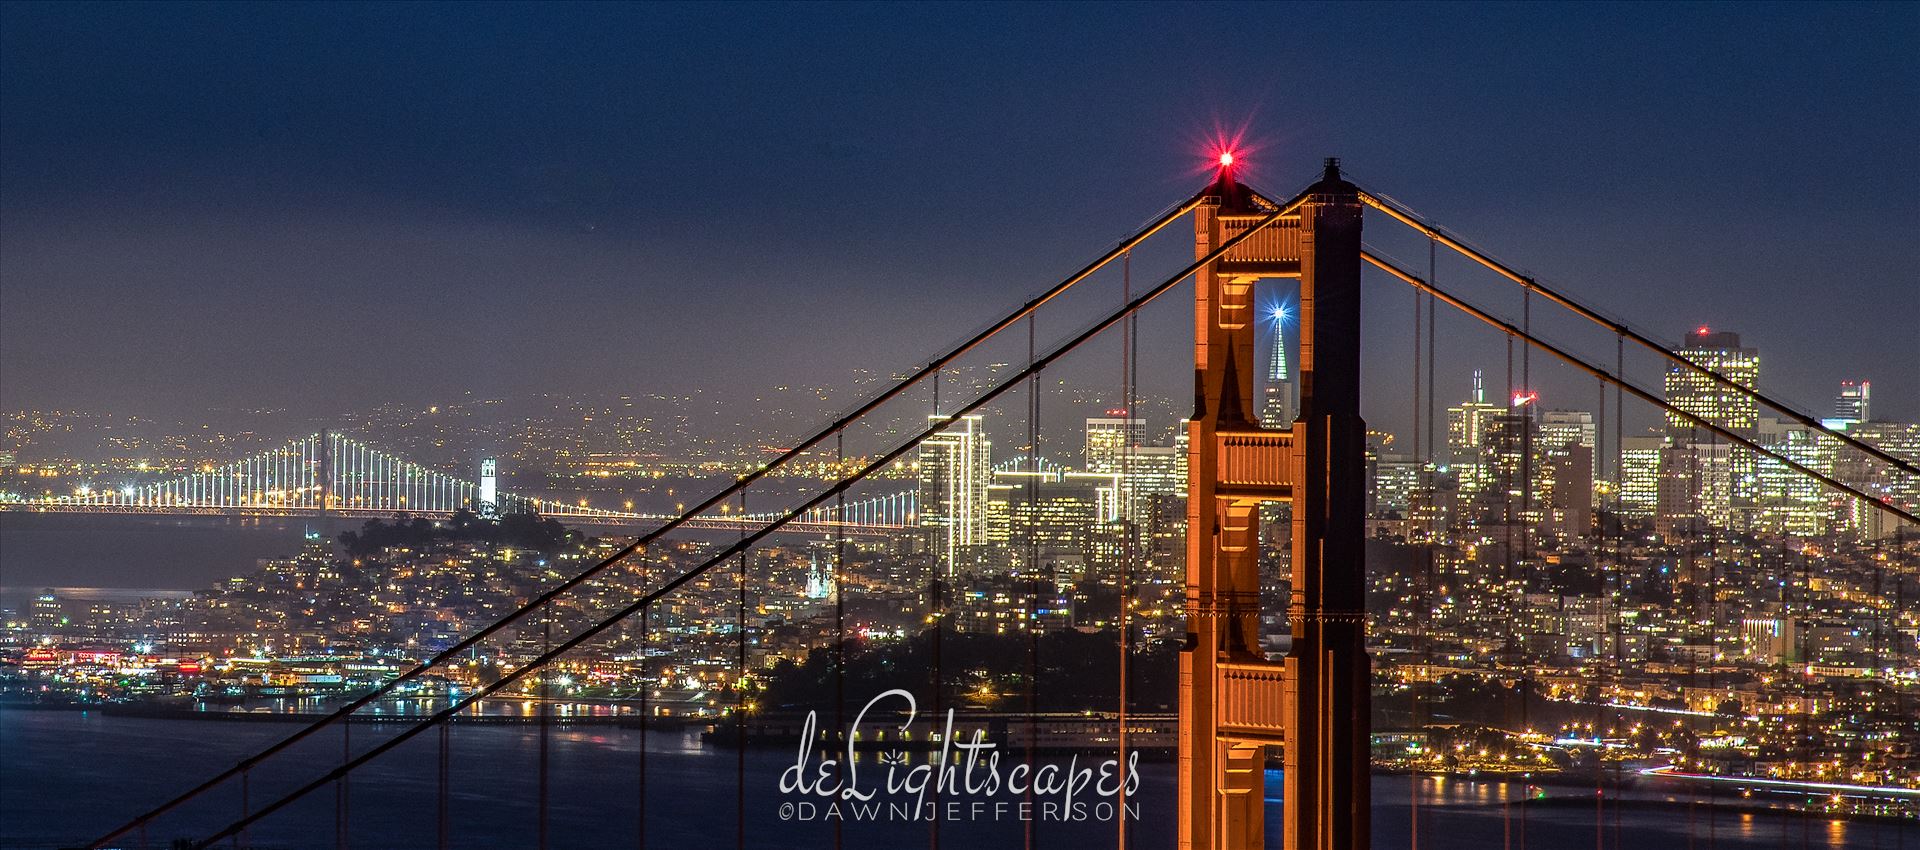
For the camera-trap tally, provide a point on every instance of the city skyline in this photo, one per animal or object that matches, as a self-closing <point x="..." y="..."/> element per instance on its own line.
<point x="1467" y="424"/>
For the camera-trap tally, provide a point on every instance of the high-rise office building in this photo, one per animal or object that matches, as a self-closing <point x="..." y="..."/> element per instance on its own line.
<point x="1639" y="486"/>
<point x="1702" y="396"/>
<point x="1276" y="393"/>
<point x="1854" y="404"/>
<point x="1561" y="427"/>
<point x="1695" y="490"/>
<point x="1570" y="489"/>
<point x="1048" y="515"/>
<point x="1157" y="471"/>
<point x="1396" y="479"/>
<point x="1716" y="403"/>
<point x="955" y="469"/>
<point x="1466" y="428"/>
<point x="1114" y="447"/>
<point x="1467" y="423"/>
<point x="1567" y="452"/>
<point x="1788" y="501"/>
<point x="1879" y="479"/>
<point x="1512" y="465"/>
<point x="1109" y="440"/>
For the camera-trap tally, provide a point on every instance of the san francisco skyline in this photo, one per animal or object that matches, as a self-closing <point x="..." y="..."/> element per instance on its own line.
<point x="1194" y="427"/>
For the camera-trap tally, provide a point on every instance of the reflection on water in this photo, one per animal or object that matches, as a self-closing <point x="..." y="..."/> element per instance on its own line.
<point x="69" y="776"/>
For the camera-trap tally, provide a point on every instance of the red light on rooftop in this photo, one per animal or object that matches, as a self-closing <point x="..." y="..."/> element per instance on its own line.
<point x="1703" y="330"/>
<point x="1226" y="159"/>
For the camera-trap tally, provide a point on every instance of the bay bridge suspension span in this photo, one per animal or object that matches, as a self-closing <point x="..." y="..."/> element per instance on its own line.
<point x="332" y="474"/>
<point x="1235" y="702"/>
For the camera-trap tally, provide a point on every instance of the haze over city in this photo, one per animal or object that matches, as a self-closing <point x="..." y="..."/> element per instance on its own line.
<point x="553" y="200"/>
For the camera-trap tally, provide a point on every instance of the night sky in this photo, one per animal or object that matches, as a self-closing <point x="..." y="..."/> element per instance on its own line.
<point x="326" y="207"/>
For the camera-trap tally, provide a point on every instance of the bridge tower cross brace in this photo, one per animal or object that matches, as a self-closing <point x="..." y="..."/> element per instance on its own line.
<point x="1234" y="703"/>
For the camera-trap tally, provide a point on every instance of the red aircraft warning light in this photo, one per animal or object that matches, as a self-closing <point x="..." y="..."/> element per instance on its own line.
<point x="1226" y="159"/>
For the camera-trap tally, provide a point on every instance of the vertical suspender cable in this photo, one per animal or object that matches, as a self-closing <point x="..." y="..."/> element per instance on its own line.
<point x="1124" y="499"/>
<point x="646" y="707"/>
<point x="246" y="806"/>
<point x="443" y="817"/>
<point x="939" y="614"/>
<point x="1619" y="538"/>
<point x="1432" y="541"/>
<point x="1689" y="569"/>
<point x="1806" y="703"/>
<point x="1697" y="523"/>
<point x="1527" y="423"/>
<point x="1506" y="535"/>
<point x="740" y="698"/>
<point x="839" y="628"/>
<point x="1713" y="639"/>
<point x="1029" y="825"/>
<point x="1598" y="732"/>
<point x="546" y="676"/>
<point x="1899" y="604"/>
<point x="1420" y="473"/>
<point x="340" y="788"/>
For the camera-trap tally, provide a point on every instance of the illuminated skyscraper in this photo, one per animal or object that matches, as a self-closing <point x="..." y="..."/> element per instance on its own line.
<point x="1706" y="398"/>
<point x="1277" y="411"/>
<point x="1276" y="394"/>
<point x="1854" y="405"/>
<point x="1052" y="510"/>
<point x="1879" y="479"/>
<point x="1396" y="478"/>
<point x="1109" y="440"/>
<point x="1466" y="427"/>
<point x="956" y="467"/>
<point x="1639" y="485"/>
<point x="1696" y="489"/>
<point x="1566" y="449"/>
<point x="1789" y="502"/>
<point x="1140" y="472"/>
<point x="820" y="583"/>
<point x="1467" y="423"/>
<point x="1726" y="472"/>
<point x="1510" y="458"/>
<point x="1561" y="427"/>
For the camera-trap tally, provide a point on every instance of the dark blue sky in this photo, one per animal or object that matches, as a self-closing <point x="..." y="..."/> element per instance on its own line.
<point x="328" y="206"/>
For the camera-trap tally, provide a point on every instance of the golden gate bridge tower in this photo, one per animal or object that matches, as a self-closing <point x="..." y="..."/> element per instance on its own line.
<point x="1234" y="702"/>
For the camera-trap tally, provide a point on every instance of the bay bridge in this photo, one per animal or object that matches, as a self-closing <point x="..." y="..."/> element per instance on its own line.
<point x="332" y="474"/>
<point x="1236" y="702"/>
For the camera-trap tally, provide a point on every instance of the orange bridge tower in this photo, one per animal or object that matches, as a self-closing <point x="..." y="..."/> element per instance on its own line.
<point x="1234" y="702"/>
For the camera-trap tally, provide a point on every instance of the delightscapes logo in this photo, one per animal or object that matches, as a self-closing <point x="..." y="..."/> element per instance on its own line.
<point x="964" y="780"/>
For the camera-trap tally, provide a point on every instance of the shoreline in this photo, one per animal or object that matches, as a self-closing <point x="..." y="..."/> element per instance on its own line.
<point x="1632" y="793"/>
